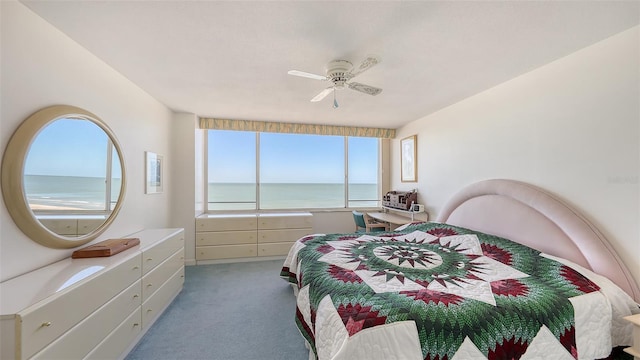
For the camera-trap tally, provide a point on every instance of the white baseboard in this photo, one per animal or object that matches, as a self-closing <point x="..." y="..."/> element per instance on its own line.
<point x="190" y="262"/>
<point x="238" y="260"/>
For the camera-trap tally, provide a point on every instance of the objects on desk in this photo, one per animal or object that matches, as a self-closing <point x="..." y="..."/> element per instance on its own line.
<point x="401" y="200"/>
<point x="105" y="248"/>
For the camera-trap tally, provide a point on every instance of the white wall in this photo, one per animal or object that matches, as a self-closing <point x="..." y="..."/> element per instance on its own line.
<point x="40" y="66"/>
<point x="188" y="182"/>
<point x="570" y="127"/>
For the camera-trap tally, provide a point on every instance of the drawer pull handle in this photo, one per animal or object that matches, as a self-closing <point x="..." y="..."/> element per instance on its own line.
<point x="136" y="324"/>
<point x="149" y="310"/>
<point x="136" y="267"/>
<point x="149" y="285"/>
<point x="135" y="296"/>
<point x="46" y="324"/>
<point x="149" y="259"/>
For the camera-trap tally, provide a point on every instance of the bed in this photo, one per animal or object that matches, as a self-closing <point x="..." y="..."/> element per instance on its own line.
<point x="506" y="272"/>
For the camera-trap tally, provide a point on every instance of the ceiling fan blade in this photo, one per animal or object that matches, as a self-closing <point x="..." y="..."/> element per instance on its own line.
<point x="306" y="74"/>
<point x="322" y="94"/>
<point x="365" y="65"/>
<point x="364" y="88"/>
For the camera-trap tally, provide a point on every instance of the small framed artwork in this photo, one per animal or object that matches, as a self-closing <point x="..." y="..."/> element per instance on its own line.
<point x="154" y="168"/>
<point x="408" y="159"/>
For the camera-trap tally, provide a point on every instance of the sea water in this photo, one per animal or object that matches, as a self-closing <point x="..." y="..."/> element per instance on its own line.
<point x="46" y="192"/>
<point x="88" y="193"/>
<point x="290" y="196"/>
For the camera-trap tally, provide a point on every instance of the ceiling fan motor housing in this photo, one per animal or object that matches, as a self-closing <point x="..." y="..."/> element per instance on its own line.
<point x="338" y="71"/>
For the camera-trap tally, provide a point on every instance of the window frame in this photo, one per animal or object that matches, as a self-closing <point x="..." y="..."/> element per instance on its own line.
<point x="257" y="208"/>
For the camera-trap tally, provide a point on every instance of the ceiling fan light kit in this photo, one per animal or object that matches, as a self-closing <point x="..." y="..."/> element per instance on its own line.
<point x="340" y="72"/>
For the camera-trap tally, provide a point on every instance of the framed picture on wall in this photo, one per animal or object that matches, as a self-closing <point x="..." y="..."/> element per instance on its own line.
<point x="154" y="168"/>
<point x="408" y="159"/>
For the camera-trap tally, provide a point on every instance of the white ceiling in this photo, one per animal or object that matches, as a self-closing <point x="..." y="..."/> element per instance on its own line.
<point x="229" y="59"/>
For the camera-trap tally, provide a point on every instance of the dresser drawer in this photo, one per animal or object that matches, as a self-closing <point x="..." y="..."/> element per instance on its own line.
<point x="226" y="238"/>
<point x="44" y="322"/>
<point x="153" y="256"/>
<point x="119" y="339"/>
<point x="225" y="252"/>
<point x="86" y="226"/>
<point x="274" y="249"/>
<point x="160" y="299"/>
<point x="156" y="277"/>
<point x="82" y="338"/>
<point x="285" y="221"/>
<point x="226" y="223"/>
<point x="274" y="236"/>
<point x="61" y="226"/>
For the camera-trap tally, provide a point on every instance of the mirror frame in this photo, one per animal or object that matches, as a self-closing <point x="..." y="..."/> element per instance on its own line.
<point x="13" y="163"/>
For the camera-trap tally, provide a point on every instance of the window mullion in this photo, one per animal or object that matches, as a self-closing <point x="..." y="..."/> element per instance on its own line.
<point x="257" y="171"/>
<point x="346" y="171"/>
<point x="107" y="198"/>
<point x="380" y="169"/>
<point x="205" y="172"/>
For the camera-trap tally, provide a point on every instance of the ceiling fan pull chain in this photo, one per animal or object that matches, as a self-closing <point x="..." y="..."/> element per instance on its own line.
<point x="335" y="103"/>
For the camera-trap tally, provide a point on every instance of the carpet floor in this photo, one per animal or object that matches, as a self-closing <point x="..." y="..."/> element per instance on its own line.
<point x="238" y="311"/>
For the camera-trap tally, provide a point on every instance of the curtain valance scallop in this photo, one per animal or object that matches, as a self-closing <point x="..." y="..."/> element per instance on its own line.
<point x="293" y="128"/>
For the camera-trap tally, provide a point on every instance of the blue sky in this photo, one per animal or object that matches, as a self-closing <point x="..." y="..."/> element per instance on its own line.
<point x="288" y="158"/>
<point x="69" y="147"/>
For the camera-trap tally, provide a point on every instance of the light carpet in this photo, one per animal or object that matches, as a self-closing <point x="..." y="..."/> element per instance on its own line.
<point x="237" y="311"/>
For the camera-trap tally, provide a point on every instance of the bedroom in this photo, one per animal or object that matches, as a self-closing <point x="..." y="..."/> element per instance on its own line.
<point x="570" y="126"/>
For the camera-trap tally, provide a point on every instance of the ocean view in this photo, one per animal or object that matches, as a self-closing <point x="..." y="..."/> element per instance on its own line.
<point x="68" y="192"/>
<point x="236" y="196"/>
<point x="88" y="193"/>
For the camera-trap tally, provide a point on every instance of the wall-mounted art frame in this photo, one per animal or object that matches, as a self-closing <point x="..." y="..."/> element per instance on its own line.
<point x="408" y="159"/>
<point x="154" y="166"/>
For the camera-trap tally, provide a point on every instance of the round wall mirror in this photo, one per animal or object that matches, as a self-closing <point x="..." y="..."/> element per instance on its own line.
<point x="63" y="177"/>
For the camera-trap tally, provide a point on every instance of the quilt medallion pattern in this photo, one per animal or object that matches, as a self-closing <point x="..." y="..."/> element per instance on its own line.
<point x="465" y="291"/>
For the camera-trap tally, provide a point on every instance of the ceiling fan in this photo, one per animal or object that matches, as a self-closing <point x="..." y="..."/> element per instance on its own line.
<point x="340" y="72"/>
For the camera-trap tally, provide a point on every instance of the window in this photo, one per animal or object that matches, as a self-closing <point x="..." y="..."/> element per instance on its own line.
<point x="301" y="171"/>
<point x="231" y="169"/>
<point x="363" y="170"/>
<point x="249" y="171"/>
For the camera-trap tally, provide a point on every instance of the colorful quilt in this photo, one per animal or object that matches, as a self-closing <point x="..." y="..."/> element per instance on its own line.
<point x="438" y="292"/>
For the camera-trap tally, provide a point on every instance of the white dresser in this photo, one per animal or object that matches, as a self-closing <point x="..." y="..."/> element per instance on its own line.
<point x="228" y="236"/>
<point x="91" y="308"/>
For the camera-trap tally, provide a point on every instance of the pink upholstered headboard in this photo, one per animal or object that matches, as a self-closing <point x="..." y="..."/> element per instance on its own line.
<point x="530" y="216"/>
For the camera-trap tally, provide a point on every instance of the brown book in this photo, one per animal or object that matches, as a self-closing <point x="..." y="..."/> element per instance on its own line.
<point x="105" y="248"/>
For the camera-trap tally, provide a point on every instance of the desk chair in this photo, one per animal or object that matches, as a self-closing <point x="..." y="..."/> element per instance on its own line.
<point x="364" y="223"/>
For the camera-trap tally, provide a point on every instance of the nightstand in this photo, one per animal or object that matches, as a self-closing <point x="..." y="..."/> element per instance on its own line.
<point x="635" y="349"/>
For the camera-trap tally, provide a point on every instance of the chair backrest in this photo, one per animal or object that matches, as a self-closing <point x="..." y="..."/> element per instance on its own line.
<point x="358" y="217"/>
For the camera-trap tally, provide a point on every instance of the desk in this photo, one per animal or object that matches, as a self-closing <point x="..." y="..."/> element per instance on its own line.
<point x="394" y="220"/>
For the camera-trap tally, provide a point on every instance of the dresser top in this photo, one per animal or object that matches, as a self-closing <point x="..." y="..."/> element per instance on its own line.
<point x="20" y="292"/>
